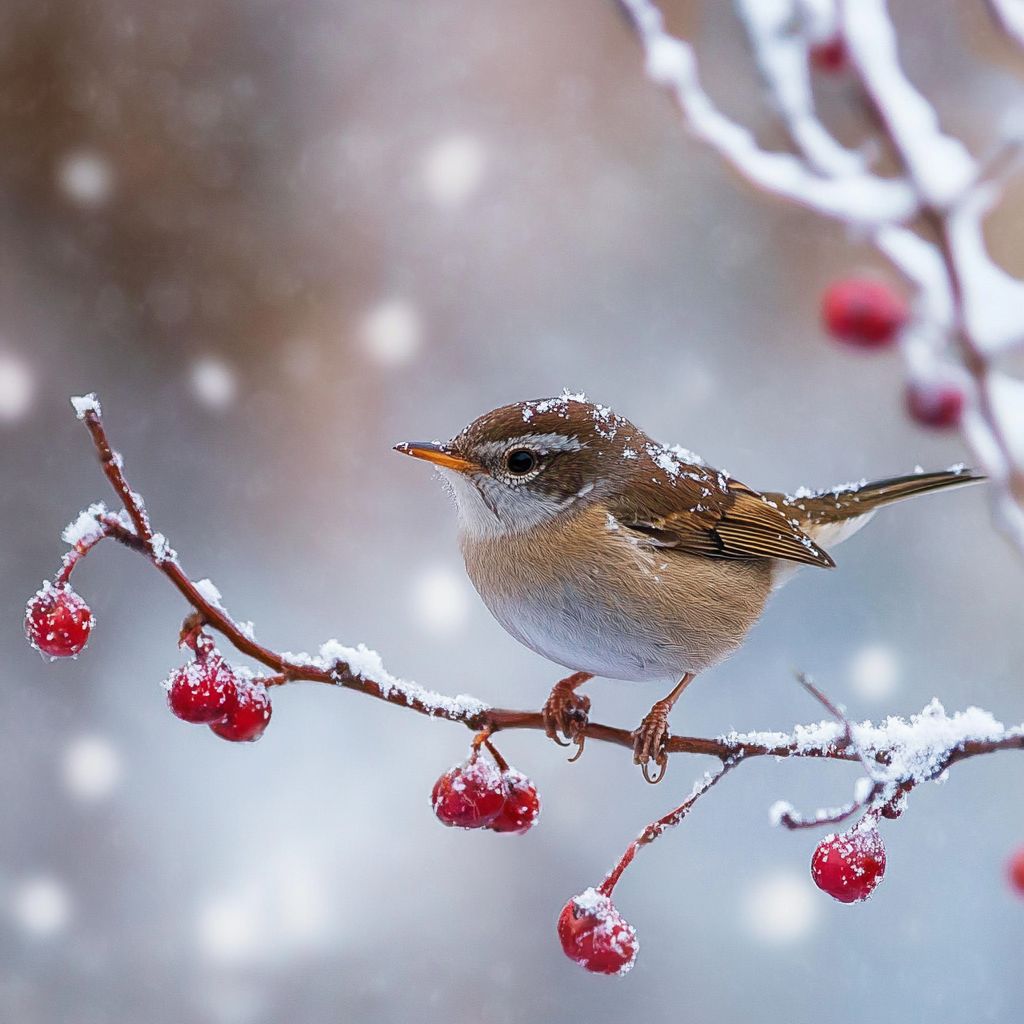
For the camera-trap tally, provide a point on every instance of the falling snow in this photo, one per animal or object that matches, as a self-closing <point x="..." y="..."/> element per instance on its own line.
<point x="86" y="178"/>
<point x="214" y="383"/>
<point x="392" y="333"/>
<point x="17" y="387"/>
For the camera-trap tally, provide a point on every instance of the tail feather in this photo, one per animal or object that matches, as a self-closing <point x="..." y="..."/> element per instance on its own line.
<point x="851" y="501"/>
<point x="830" y="517"/>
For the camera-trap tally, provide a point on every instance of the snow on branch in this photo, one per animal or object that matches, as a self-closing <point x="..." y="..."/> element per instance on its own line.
<point x="1009" y="14"/>
<point x="927" y="220"/>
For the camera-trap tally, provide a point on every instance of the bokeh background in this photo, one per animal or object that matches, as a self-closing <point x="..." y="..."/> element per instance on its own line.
<point x="277" y="238"/>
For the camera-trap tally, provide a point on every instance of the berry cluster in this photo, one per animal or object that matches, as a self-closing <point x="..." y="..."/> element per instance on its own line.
<point x="480" y="793"/>
<point x="868" y="314"/>
<point x="205" y="691"/>
<point x="483" y="794"/>
<point x="208" y="691"/>
<point x="848" y="867"/>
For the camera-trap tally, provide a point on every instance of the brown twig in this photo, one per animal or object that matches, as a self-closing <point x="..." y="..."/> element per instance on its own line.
<point x="666" y="822"/>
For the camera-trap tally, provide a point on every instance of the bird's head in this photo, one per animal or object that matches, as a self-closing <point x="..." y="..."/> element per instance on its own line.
<point x="525" y="464"/>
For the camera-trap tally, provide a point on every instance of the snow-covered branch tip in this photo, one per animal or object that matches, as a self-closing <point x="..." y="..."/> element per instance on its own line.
<point x="485" y="792"/>
<point x="927" y="220"/>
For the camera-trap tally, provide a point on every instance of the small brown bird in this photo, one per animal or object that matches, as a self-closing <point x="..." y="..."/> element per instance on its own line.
<point x="614" y="555"/>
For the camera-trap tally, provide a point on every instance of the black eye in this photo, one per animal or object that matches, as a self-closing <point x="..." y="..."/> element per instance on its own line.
<point x="520" y="461"/>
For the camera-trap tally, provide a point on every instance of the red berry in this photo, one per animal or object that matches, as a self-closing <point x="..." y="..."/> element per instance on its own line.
<point x="470" y="795"/>
<point x="849" y="866"/>
<point x="935" y="405"/>
<point x="522" y="805"/>
<point x="829" y="56"/>
<point x="203" y="691"/>
<point x="863" y="312"/>
<point x="595" y="935"/>
<point x="1015" y="869"/>
<point x="58" y="621"/>
<point x="249" y="718"/>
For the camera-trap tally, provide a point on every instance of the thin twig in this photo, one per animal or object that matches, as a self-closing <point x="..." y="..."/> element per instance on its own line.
<point x="668" y="821"/>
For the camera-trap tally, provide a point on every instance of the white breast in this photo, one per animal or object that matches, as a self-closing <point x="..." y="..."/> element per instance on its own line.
<point x="571" y="633"/>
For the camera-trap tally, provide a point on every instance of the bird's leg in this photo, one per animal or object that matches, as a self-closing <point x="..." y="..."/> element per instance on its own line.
<point x="565" y="711"/>
<point x="649" y="738"/>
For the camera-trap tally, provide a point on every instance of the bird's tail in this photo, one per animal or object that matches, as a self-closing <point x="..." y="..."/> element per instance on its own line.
<point x="830" y="516"/>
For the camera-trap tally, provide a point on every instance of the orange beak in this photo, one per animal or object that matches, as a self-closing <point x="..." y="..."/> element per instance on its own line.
<point x="439" y="454"/>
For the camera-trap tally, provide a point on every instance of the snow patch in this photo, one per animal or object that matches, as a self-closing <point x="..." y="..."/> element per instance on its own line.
<point x="83" y="404"/>
<point x="86" y="528"/>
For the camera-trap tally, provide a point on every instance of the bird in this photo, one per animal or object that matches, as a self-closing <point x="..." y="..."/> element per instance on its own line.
<point x="617" y="556"/>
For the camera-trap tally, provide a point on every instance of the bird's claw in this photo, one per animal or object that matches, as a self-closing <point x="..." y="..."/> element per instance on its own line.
<point x="649" y="743"/>
<point x="565" y="714"/>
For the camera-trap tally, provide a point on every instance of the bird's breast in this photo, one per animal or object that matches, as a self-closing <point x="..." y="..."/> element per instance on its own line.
<point x="588" y="596"/>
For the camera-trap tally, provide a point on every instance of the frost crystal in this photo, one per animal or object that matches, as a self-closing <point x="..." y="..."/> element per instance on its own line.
<point x="85" y="528"/>
<point x="209" y="592"/>
<point x="86" y="403"/>
<point x="162" y="551"/>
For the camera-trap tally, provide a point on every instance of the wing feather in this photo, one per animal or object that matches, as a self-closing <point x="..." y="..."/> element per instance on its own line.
<point x="703" y="512"/>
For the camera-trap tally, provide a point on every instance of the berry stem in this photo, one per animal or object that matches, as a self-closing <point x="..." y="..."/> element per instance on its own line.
<point x="73" y="557"/>
<point x="279" y="680"/>
<point x="668" y="821"/>
<point x="496" y="754"/>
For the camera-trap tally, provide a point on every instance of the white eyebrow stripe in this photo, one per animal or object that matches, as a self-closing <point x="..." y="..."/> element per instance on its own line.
<point x="543" y="443"/>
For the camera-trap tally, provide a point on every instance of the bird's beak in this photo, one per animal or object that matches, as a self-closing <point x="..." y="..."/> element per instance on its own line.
<point x="439" y="454"/>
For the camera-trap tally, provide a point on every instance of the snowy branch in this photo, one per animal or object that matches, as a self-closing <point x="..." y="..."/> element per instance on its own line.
<point x="896" y="755"/>
<point x="1009" y="15"/>
<point x="927" y="220"/>
<point x="904" y="751"/>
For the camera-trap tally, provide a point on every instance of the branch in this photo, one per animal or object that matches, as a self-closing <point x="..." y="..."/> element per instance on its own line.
<point x="897" y="755"/>
<point x="360" y="669"/>
<point x="1009" y="16"/>
<point x="970" y="311"/>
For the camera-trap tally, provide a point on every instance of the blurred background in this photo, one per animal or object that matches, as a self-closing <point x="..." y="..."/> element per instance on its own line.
<point x="276" y="239"/>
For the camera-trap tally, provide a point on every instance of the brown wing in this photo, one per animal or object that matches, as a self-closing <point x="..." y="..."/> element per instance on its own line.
<point x="703" y="512"/>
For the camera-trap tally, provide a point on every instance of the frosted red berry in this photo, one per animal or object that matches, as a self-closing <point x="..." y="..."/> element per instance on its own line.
<point x="522" y="805"/>
<point x="470" y="795"/>
<point x="830" y="56"/>
<point x="595" y="935"/>
<point x="248" y="719"/>
<point x="1015" y="871"/>
<point x="863" y="312"/>
<point x="939" y="406"/>
<point x="58" y="622"/>
<point x="203" y="691"/>
<point x="850" y="865"/>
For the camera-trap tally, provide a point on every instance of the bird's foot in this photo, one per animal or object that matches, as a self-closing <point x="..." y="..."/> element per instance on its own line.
<point x="650" y="739"/>
<point x="566" y="713"/>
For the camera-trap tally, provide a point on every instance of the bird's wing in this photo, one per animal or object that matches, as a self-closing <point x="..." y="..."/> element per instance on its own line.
<point x="696" y="509"/>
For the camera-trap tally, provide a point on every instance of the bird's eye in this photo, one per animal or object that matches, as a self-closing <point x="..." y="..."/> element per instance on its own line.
<point x="520" y="461"/>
